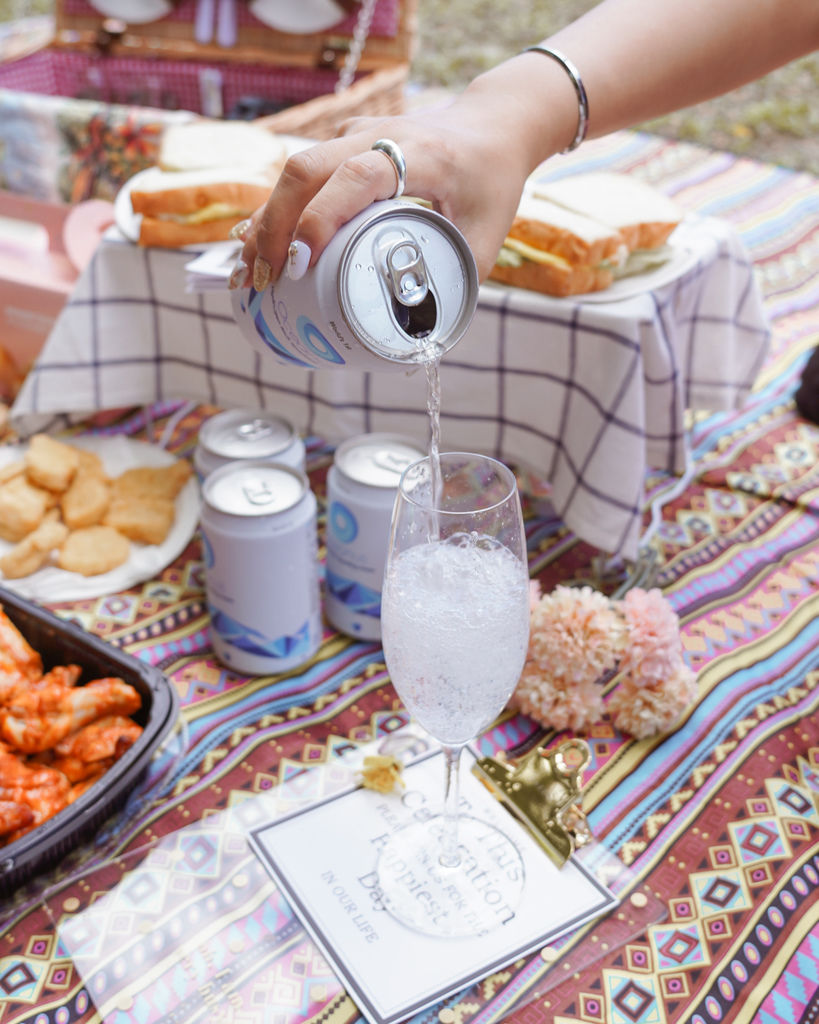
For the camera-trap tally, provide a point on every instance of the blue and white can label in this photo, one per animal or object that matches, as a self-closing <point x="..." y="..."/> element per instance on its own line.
<point x="361" y="488"/>
<point x="396" y="283"/>
<point x="261" y="567"/>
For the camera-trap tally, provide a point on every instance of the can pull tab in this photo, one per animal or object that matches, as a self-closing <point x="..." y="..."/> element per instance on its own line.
<point x="258" y="493"/>
<point x="392" y="462"/>
<point x="253" y="430"/>
<point x="413" y="301"/>
<point x="408" y="274"/>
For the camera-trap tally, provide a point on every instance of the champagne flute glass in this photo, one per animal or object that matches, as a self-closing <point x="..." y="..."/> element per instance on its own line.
<point x="455" y="628"/>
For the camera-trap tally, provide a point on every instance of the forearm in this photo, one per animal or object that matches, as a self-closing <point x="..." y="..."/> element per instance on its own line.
<point x="643" y="58"/>
<point x="470" y="158"/>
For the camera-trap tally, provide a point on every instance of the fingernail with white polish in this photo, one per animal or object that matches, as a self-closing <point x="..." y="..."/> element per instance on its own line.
<point x="298" y="260"/>
<point x="238" y="275"/>
<point x="262" y="273"/>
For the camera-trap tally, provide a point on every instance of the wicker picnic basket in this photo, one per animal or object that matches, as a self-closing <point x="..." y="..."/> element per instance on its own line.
<point x="304" y="84"/>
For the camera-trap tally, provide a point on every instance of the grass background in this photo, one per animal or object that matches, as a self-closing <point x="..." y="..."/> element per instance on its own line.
<point x="775" y="119"/>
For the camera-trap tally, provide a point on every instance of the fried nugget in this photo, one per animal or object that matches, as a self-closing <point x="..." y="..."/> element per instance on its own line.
<point x="51" y="463"/>
<point x="33" y="551"/>
<point x="87" y="499"/>
<point x="22" y="507"/>
<point x="94" y="550"/>
<point x="90" y="462"/>
<point x="11" y="470"/>
<point x="147" y="520"/>
<point x="152" y="481"/>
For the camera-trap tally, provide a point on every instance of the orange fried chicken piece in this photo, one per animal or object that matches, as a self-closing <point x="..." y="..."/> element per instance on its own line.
<point x="11" y="678"/>
<point x="109" y="736"/>
<point x="19" y="651"/>
<point x="95" y="747"/>
<point x="42" y="789"/>
<point x="12" y="681"/>
<point x="39" y="717"/>
<point x="60" y="675"/>
<point x="14" y="816"/>
<point x="83" y="785"/>
<point x="77" y="770"/>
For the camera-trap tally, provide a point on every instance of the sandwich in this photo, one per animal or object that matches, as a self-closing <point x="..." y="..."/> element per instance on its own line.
<point x="195" y="145"/>
<point x="210" y="175"/>
<point x="582" y="233"/>
<point x="193" y="207"/>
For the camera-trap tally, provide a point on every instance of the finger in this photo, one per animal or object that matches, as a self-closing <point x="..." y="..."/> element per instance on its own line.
<point x="273" y="224"/>
<point x="352" y="187"/>
<point x="245" y="232"/>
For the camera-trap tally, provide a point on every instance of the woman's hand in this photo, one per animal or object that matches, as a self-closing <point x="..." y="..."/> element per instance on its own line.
<point x="470" y="174"/>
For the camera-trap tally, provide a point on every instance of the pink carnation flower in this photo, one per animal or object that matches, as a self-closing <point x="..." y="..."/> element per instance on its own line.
<point x="653" y="650"/>
<point x="646" y="710"/>
<point x="576" y="706"/>
<point x="575" y="635"/>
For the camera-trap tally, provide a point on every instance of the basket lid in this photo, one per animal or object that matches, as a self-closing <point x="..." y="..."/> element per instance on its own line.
<point x="190" y="30"/>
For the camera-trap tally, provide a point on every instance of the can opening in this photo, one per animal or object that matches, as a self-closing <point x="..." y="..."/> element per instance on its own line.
<point x="416" y="321"/>
<point x="413" y="303"/>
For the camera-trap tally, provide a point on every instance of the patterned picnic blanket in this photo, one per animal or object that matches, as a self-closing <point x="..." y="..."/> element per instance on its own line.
<point x="717" y="822"/>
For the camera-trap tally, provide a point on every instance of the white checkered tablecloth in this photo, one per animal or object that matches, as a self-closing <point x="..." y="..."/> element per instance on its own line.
<point x="586" y="394"/>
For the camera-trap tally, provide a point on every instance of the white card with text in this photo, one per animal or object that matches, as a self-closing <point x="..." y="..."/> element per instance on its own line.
<point x="324" y="858"/>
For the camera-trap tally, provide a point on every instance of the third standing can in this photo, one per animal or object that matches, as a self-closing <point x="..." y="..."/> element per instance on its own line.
<point x="361" y="488"/>
<point x="261" y="566"/>
<point x="246" y="434"/>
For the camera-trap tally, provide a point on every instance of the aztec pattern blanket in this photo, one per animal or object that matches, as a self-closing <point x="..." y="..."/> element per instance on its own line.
<point x="717" y="822"/>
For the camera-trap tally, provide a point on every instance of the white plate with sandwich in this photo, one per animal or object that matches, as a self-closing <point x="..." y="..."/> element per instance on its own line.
<point x="596" y="237"/>
<point x="194" y="196"/>
<point x="182" y="209"/>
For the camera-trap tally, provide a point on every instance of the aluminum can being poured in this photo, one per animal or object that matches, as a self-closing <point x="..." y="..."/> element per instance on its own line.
<point x="396" y="285"/>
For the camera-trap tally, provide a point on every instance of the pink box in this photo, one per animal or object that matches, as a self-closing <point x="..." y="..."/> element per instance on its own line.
<point x="43" y="247"/>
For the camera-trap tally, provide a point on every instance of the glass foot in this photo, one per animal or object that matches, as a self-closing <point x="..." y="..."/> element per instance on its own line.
<point x="472" y="897"/>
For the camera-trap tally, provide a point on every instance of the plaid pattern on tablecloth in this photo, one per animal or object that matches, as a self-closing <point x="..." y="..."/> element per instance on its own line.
<point x="587" y="395"/>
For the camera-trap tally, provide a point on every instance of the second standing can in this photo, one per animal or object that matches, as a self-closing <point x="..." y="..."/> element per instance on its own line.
<point x="361" y="488"/>
<point x="261" y="567"/>
<point x="246" y="434"/>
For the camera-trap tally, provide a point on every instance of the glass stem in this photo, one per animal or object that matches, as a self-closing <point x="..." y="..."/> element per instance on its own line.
<point x="450" y="857"/>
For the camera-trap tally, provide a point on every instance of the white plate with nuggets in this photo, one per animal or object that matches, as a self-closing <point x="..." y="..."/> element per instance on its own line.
<point x="52" y="584"/>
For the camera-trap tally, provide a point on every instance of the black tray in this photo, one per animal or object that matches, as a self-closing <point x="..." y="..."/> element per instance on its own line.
<point x="63" y="643"/>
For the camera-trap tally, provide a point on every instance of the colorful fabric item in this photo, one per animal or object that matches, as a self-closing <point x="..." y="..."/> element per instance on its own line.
<point x="67" y="150"/>
<point x="720" y="819"/>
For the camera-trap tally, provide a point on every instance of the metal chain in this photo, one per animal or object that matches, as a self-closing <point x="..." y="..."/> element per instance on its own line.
<point x="360" y="33"/>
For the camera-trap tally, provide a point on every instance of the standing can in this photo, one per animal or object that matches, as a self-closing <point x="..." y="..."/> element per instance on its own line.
<point x="246" y="434"/>
<point x="261" y="566"/>
<point x="361" y="488"/>
<point x="397" y="284"/>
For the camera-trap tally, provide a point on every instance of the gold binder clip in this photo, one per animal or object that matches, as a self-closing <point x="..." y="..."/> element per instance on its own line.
<point x="542" y="789"/>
